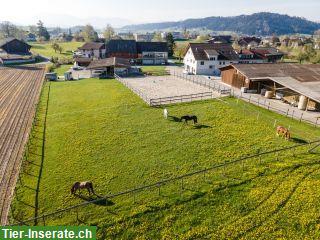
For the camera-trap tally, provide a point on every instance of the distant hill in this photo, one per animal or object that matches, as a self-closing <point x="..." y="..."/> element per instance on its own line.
<point x="256" y="24"/>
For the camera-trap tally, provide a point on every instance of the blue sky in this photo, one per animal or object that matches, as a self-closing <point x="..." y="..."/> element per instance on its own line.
<point x="120" y="12"/>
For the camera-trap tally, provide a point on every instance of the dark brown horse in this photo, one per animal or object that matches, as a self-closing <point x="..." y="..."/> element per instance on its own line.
<point x="187" y="118"/>
<point x="82" y="185"/>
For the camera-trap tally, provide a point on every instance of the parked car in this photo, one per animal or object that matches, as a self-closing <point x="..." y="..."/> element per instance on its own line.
<point x="77" y="68"/>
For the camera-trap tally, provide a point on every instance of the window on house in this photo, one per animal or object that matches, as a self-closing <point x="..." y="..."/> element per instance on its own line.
<point x="211" y="59"/>
<point x="210" y="66"/>
<point x="202" y="62"/>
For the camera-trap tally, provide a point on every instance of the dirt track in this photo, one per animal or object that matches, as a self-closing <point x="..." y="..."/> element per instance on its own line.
<point x="20" y="89"/>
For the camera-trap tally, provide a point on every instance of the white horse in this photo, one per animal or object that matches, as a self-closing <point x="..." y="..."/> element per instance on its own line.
<point x="165" y="113"/>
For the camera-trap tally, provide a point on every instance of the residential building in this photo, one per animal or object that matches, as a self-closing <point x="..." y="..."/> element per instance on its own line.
<point x="249" y="42"/>
<point x="247" y="56"/>
<point x="221" y="39"/>
<point x="148" y="53"/>
<point x="207" y="58"/>
<point x="93" y="50"/>
<point x="267" y="54"/>
<point x="176" y="35"/>
<point x="152" y="53"/>
<point x="147" y="37"/>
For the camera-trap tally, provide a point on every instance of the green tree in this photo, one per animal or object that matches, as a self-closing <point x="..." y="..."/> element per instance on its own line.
<point x="42" y="31"/>
<point x="89" y="34"/>
<point x="171" y="44"/>
<point x="60" y="49"/>
<point x="179" y="51"/>
<point x="55" y="46"/>
<point x="302" y="56"/>
<point x="157" y="37"/>
<point x="108" y="32"/>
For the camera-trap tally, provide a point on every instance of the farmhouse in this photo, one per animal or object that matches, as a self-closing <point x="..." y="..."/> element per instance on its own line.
<point x="152" y="53"/>
<point x="147" y="37"/>
<point x="294" y="83"/>
<point x="260" y="55"/>
<point x="207" y="58"/>
<point x="14" y="51"/>
<point x="249" y="42"/>
<point x="93" y="50"/>
<point x="221" y="39"/>
<point x="148" y="53"/>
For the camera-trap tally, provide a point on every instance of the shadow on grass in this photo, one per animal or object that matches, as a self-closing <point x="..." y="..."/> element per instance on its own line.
<point x="100" y="201"/>
<point x="201" y="126"/>
<point x="174" y="119"/>
<point x="298" y="140"/>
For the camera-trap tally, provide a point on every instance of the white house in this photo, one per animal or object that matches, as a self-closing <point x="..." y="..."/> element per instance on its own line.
<point x="207" y="58"/>
<point x="93" y="50"/>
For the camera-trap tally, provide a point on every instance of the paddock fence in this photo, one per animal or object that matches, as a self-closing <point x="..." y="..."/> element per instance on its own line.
<point x="156" y="102"/>
<point x="226" y="172"/>
<point x="223" y="90"/>
<point x="142" y="95"/>
<point x="256" y="99"/>
<point x="288" y="111"/>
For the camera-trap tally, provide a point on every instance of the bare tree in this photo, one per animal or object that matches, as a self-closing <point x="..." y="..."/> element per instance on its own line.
<point x="8" y="29"/>
<point x="108" y="32"/>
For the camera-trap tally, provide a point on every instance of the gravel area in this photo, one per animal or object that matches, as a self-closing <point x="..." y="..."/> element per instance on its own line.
<point x="166" y="86"/>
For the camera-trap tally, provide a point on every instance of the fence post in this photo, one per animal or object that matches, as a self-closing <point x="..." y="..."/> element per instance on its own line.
<point x="275" y="123"/>
<point x="301" y="117"/>
<point x="269" y="105"/>
<point x="316" y="123"/>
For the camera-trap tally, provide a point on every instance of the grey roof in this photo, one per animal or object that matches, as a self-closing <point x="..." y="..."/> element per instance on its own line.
<point x="226" y="51"/>
<point x="122" y="46"/>
<point x="4" y="41"/>
<point x="304" y="79"/>
<point x="211" y="52"/>
<point x="109" y="62"/>
<point x="152" y="47"/>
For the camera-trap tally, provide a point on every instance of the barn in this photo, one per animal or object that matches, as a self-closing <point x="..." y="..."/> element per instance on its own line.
<point x="14" y="51"/>
<point x="294" y="83"/>
<point x="109" y="66"/>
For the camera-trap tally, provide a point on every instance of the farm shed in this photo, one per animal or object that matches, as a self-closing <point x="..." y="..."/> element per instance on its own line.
<point x="294" y="82"/>
<point x="110" y="66"/>
<point x="14" y="51"/>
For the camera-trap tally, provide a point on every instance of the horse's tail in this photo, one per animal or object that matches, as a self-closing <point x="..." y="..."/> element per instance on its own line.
<point x="72" y="189"/>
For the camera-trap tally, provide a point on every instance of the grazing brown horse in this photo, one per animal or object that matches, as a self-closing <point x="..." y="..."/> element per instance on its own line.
<point x="284" y="132"/>
<point x="82" y="185"/>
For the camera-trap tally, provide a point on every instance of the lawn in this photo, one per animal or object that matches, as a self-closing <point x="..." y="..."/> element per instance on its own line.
<point x="46" y="50"/>
<point x="99" y="130"/>
<point x="62" y="69"/>
<point x="154" y="70"/>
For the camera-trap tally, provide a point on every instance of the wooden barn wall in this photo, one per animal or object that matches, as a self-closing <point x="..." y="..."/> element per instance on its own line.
<point x="234" y="79"/>
<point x="123" y="55"/>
